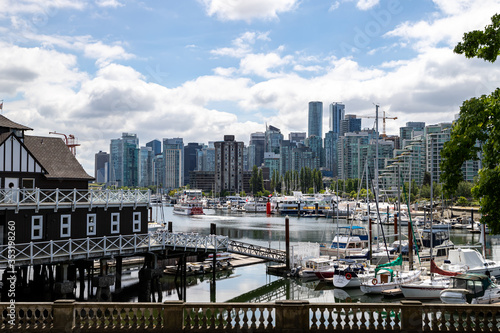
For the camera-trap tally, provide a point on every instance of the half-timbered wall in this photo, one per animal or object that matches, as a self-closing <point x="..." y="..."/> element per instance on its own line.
<point x="14" y="157"/>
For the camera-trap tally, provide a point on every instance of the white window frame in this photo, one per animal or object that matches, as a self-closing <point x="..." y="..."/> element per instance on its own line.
<point x="65" y="224"/>
<point x="115" y="223"/>
<point x="38" y="228"/>
<point x="91" y="225"/>
<point x="136" y="222"/>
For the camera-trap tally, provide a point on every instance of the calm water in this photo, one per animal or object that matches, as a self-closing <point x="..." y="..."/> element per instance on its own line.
<point x="252" y="283"/>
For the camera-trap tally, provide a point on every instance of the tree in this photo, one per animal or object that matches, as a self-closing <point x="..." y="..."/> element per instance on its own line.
<point x="477" y="130"/>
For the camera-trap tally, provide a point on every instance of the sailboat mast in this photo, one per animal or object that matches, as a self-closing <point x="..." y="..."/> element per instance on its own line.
<point x="432" y="194"/>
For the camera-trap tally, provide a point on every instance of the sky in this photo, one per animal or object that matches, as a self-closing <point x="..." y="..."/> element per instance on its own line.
<point x="202" y="69"/>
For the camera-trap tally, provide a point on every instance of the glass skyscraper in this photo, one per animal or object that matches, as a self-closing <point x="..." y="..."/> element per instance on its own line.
<point x="337" y="114"/>
<point x="315" y="123"/>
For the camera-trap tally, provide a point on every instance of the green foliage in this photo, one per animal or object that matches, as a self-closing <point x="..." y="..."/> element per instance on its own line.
<point x="462" y="201"/>
<point x="482" y="44"/>
<point x="479" y="122"/>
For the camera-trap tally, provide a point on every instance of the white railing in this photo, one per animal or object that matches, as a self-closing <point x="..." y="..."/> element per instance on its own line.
<point x="17" y="198"/>
<point x="96" y="247"/>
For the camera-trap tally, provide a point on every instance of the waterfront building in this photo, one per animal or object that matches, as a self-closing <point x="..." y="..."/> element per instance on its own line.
<point x="412" y="129"/>
<point x="315" y="119"/>
<point x="435" y="137"/>
<point x="272" y="162"/>
<point x="173" y="157"/>
<point x="229" y="165"/>
<point x="202" y="180"/>
<point x="206" y="158"/>
<point x="286" y="150"/>
<point x="302" y="157"/>
<point x="124" y="161"/>
<point x="256" y="149"/>
<point x="331" y="147"/>
<point x="159" y="171"/>
<point x="315" y="144"/>
<point x="155" y="146"/>
<point x="352" y="157"/>
<point x="190" y="159"/>
<point x="273" y="139"/>
<point x="146" y="166"/>
<point x="101" y="166"/>
<point x="297" y="137"/>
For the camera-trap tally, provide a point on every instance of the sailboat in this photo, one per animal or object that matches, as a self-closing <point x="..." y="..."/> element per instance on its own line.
<point x="428" y="288"/>
<point x="387" y="278"/>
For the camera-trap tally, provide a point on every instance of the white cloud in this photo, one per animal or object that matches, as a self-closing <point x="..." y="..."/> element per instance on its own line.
<point x="366" y="4"/>
<point x="38" y="8"/>
<point x="334" y="6"/>
<point x="233" y="10"/>
<point x="109" y="3"/>
<point x="241" y="45"/>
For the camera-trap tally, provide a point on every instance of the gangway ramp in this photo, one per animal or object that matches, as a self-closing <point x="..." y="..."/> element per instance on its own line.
<point x="256" y="251"/>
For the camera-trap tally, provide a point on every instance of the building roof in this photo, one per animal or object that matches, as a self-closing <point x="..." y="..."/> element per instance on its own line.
<point x="4" y="122"/>
<point x="56" y="158"/>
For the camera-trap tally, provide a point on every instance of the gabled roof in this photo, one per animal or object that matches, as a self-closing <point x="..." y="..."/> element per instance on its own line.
<point x="4" y="122"/>
<point x="56" y="158"/>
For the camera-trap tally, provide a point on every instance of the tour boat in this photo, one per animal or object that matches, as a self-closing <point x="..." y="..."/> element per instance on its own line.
<point x="471" y="288"/>
<point x="188" y="208"/>
<point x="255" y="206"/>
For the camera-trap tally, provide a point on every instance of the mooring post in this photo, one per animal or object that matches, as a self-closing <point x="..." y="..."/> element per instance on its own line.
<point x="118" y="272"/>
<point x="287" y="242"/>
<point x="472" y="219"/>
<point x="170" y="226"/>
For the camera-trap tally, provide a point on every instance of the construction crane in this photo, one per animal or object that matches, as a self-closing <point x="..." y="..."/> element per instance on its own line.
<point x="383" y="121"/>
<point x="70" y="141"/>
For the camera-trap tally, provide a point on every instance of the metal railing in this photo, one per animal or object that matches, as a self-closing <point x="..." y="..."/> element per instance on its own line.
<point x="18" y="198"/>
<point x="257" y="251"/>
<point x="282" y="316"/>
<point x="97" y="247"/>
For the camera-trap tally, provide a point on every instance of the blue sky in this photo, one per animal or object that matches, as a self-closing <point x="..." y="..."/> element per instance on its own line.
<point x="199" y="69"/>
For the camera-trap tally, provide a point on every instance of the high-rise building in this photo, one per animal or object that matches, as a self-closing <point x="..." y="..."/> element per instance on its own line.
<point x="124" y="161"/>
<point x="350" y="124"/>
<point x="411" y="129"/>
<point x="155" y="146"/>
<point x="101" y="166"/>
<point x="286" y="156"/>
<point x="146" y="166"/>
<point x="435" y="137"/>
<point x="206" y="158"/>
<point x="256" y="149"/>
<point x="297" y="137"/>
<point x="331" y="147"/>
<point x="272" y="161"/>
<point x="315" y="119"/>
<point x="173" y="157"/>
<point x="337" y="114"/>
<point x="190" y="159"/>
<point x="273" y="139"/>
<point x="229" y="165"/>
<point x="315" y="145"/>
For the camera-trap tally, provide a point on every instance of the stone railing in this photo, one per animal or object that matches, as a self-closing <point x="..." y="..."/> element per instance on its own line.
<point x="281" y="316"/>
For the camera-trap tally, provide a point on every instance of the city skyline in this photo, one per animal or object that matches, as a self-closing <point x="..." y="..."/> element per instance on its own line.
<point x="200" y="69"/>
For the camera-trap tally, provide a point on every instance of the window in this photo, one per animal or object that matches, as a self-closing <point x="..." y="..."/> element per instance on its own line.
<point x="65" y="225"/>
<point x="115" y="223"/>
<point x="91" y="224"/>
<point x="28" y="183"/>
<point x="36" y="227"/>
<point x="136" y="223"/>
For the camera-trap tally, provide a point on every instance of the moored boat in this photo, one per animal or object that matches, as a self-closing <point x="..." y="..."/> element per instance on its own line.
<point x="471" y="288"/>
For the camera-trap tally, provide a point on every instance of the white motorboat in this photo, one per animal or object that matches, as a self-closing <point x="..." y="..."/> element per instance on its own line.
<point x="470" y="261"/>
<point x="472" y="289"/>
<point x="255" y="206"/>
<point x="313" y="265"/>
<point x="351" y="276"/>
<point x="350" y="242"/>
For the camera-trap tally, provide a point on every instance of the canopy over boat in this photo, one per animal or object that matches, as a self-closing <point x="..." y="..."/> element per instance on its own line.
<point x="397" y="262"/>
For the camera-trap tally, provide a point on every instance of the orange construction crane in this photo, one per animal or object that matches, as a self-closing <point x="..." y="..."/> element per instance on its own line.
<point x="383" y="121"/>
<point x="70" y="141"/>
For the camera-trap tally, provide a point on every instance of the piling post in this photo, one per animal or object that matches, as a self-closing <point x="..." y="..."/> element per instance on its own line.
<point x="472" y="219"/>
<point x="118" y="273"/>
<point x="287" y="246"/>
<point x="170" y="226"/>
